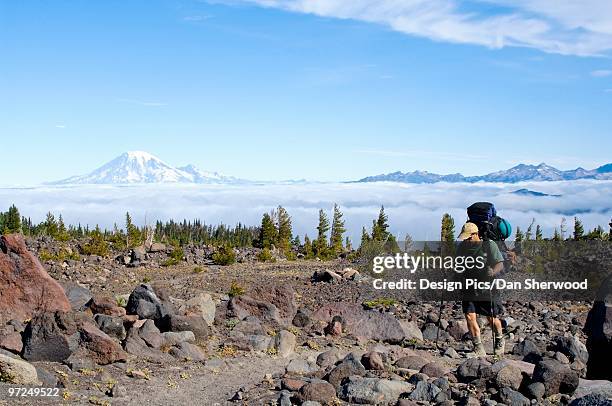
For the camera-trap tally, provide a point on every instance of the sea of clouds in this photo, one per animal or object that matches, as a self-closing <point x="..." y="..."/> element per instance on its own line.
<point x="413" y="209"/>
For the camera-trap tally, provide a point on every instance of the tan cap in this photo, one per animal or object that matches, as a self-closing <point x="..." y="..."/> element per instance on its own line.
<point x="467" y="230"/>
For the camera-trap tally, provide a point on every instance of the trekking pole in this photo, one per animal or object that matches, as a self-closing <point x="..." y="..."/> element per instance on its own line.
<point x="492" y="319"/>
<point x="439" y="321"/>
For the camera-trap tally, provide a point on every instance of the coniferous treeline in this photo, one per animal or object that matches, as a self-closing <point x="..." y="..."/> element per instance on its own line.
<point x="275" y="232"/>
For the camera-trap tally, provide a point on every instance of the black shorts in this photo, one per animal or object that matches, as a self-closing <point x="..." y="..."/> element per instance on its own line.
<point x="484" y="308"/>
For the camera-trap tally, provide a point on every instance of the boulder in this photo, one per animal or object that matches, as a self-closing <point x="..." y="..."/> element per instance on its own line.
<point x="11" y="340"/>
<point x="57" y="336"/>
<point x="249" y="334"/>
<point x="508" y="376"/>
<point x="298" y="366"/>
<point x="425" y="392"/>
<point x="358" y="390"/>
<point x="528" y="350"/>
<point x="273" y="304"/>
<point x="175" y="338"/>
<point x="556" y="377"/>
<point x="284" y="342"/>
<point x="328" y="358"/>
<point x="201" y="305"/>
<point x="25" y="287"/>
<point x="414" y="362"/>
<point x="365" y="324"/>
<point x="535" y="390"/>
<point x="457" y="329"/>
<point x="136" y="345"/>
<point x="474" y="368"/>
<point x="106" y="305"/>
<point x="186" y="351"/>
<point x="78" y="295"/>
<point x="144" y="302"/>
<point x="434" y="369"/>
<point x="113" y="326"/>
<point x="592" y="399"/>
<point x="17" y="372"/>
<point x="349" y="366"/>
<point x="432" y="332"/>
<point x="572" y="348"/>
<point x="373" y="361"/>
<point x="411" y="330"/>
<point x="318" y="391"/>
<point x="194" y="323"/>
<point x="512" y="397"/>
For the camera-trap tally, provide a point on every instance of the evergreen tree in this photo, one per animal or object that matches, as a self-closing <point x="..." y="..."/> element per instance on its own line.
<point x="50" y="225"/>
<point x="519" y="235"/>
<point x="538" y="233"/>
<point x="578" y="229"/>
<point x="12" y="220"/>
<point x="62" y="232"/>
<point x="267" y="233"/>
<point x="610" y="231"/>
<point x="365" y="238"/>
<point x="447" y="233"/>
<point x="308" y="251"/>
<point x="133" y="235"/>
<point x="337" y="231"/>
<point x="556" y="235"/>
<point x="296" y="242"/>
<point x="322" y="229"/>
<point x="380" y="226"/>
<point x="284" y="235"/>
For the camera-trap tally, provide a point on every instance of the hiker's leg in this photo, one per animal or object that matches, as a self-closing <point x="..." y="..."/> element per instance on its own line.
<point x="474" y="329"/>
<point x="472" y="324"/>
<point x="496" y="325"/>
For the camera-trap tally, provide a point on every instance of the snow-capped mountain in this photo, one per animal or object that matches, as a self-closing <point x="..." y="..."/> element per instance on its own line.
<point x="518" y="173"/>
<point x="200" y="176"/>
<point x="142" y="167"/>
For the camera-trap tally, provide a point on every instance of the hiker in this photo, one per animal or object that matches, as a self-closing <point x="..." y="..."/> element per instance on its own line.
<point x="481" y="302"/>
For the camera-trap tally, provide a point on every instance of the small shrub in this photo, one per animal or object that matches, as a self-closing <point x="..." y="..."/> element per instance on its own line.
<point x="265" y="255"/>
<point x="198" y="269"/>
<point x="380" y="302"/>
<point x="170" y="262"/>
<point x="235" y="290"/>
<point x="61" y="256"/>
<point x="146" y="279"/>
<point x="231" y="323"/>
<point x="121" y="302"/>
<point x="225" y="255"/>
<point x="227" y="351"/>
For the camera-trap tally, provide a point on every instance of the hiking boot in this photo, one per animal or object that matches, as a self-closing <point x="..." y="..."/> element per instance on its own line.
<point x="479" y="350"/>
<point x="500" y="346"/>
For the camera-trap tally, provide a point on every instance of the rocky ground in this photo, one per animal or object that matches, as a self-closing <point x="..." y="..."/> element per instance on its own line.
<point x="126" y="330"/>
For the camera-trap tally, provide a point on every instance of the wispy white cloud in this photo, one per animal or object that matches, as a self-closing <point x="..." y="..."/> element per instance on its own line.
<point x="143" y="102"/>
<point x="555" y="26"/>
<point x="601" y="73"/>
<point x="60" y="126"/>
<point x="196" y="18"/>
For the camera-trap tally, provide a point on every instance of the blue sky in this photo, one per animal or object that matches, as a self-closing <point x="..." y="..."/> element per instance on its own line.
<point x="328" y="90"/>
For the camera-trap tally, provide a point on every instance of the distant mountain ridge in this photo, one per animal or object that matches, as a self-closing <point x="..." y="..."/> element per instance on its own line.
<point x="142" y="167"/>
<point x="518" y="173"/>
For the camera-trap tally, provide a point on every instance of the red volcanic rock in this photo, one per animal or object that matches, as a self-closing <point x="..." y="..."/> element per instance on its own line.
<point x="25" y="287"/>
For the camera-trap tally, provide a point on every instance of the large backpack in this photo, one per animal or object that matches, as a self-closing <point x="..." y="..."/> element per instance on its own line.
<point x="490" y="225"/>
